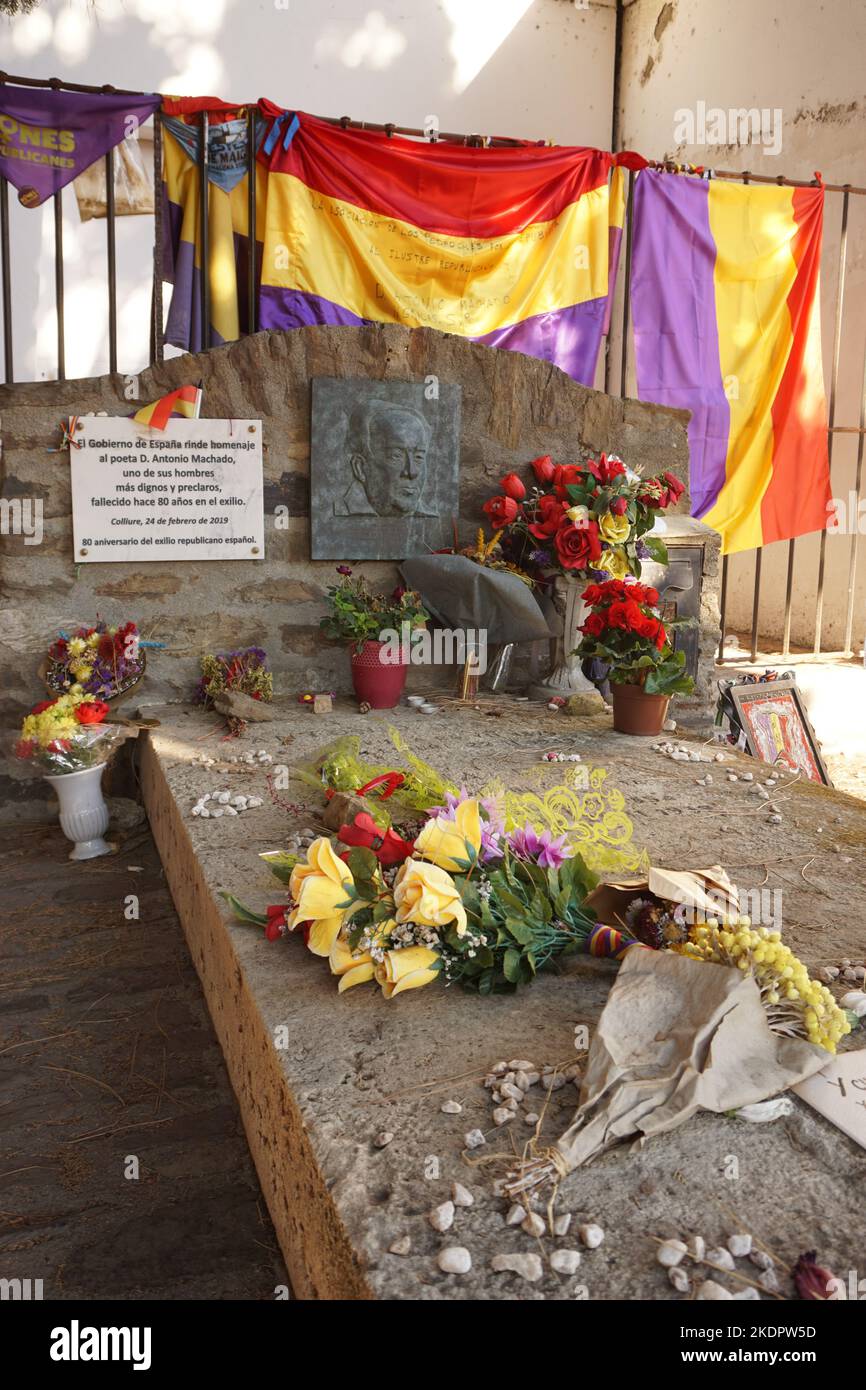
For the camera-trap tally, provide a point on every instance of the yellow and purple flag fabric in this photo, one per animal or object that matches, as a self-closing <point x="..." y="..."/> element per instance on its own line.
<point x="508" y="246"/>
<point x="725" y="304"/>
<point x="184" y="402"/>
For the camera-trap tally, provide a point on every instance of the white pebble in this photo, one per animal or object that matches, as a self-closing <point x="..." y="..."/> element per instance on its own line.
<point x="761" y="1259"/>
<point x="499" y="1068"/>
<point x="769" y="1281"/>
<point x="531" y="1118"/>
<point x="205" y="815"/>
<point x="553" y="1083"/>
<point x="455" y="1260"/>
<point x="710" y="1290"/>
<point x="720" y="1256"/>
<point x="679" y="1278"/>
<point x="197" y="810"/>
<point x="671" y="1253"/>
<point x="515" y="1215"/>
<point x="740" y="1244"/>
<point x="229" y="811"/>
<point x="451" y="1107"/>
<point x="591" y="1235"/>
<point x="441" y="1218"/>
<point x="502" y="1115"/>
<point x="511" y="1092"/>
<point x="215" y="815"/>
<point x="748" y="1294"/>
<point x="461" y="1196"/>
<point x="565" y="1261"/>
<point x="224" y="798"/>
<point x="561" y="1224"/>
<point x="697" y="1247"/>
<point x="532" y="1224"/>
<point x="253" y="801"/>
<point x="401" y="1246"/>
<point x="383" y="1139"/>
<point x="520" y="1066"/>
<point x="855" y="1000"/>
<point x="529" y="1267"/>
<point x="745" y="777"/>
<point x="474" y="1139"/>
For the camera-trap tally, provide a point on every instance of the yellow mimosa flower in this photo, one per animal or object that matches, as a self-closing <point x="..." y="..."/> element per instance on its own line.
<point x="452" y="844"/>
<point x="426" y="894"/>
<point x="410" y="968"/>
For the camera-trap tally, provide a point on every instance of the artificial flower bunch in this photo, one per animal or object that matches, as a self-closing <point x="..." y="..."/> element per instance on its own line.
<point x="795" y="1005"/>
<point x="246" y="671"/>
<point x="582" y="518"/>
<point x="624" y="629"/>
<point x="101" y="660"/>
<point x="460" y="899"/>
<point x="67" y="734"/>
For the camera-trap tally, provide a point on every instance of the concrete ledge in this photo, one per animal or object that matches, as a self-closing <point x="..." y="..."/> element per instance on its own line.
<point x="357" y="1064"/>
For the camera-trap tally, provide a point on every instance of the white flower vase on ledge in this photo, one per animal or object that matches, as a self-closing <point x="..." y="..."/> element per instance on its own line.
<point x="566" y="677"/>
<point x="83" y="812"/>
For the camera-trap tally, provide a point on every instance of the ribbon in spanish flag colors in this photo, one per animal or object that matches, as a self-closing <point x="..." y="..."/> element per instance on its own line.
<point x="185" y="401"/>
<point x="725" y="305"/>
<point x="509" y="246"/>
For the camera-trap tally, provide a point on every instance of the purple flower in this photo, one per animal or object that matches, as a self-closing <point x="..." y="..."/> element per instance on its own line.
<point x="344" y="569"/>
<point x="490" y="846"/>
<point x="642" y="551"/>
<point x="540" y="557"/>
<point x="548" y="851"/>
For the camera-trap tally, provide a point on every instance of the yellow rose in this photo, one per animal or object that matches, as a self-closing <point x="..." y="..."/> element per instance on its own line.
<point x="614" y="528"/>
<point x="578" y="515"/>
<point x="353" y="968"/>
<point x="452" y="844"/>
<point x="410" y="968"/>
<point x="426" y="894"/>
<point x="614" y="562"/>
<point x="323" y="892"/>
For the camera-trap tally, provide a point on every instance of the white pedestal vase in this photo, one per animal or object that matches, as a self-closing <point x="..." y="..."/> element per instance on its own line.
<point x="83" y="812"/>
<point x="566" y="677"/>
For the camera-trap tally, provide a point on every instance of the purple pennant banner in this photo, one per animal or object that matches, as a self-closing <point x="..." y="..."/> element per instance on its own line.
<point x="47" y="137"/>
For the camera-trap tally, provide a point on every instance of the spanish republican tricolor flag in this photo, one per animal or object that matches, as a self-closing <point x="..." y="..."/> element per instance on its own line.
<point x="184" y="402"/>
<point x="725" y="303"/>
<point x="508" y="246"/>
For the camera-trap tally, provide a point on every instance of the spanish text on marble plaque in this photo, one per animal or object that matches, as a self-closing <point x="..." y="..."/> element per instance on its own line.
<point x="192" y="491"/>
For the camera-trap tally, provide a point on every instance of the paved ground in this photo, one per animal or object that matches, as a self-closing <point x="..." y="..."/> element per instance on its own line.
<point x="107" y="1055"/>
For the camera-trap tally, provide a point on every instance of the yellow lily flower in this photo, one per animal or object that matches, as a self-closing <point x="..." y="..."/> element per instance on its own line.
<point x="614" y="528"/>
<point x="353" y="969"/>
<point x="451" y="843"/>
<point x="426" y="894"/>
<point x="323" y="891"/>
<point x="410" y="968"/>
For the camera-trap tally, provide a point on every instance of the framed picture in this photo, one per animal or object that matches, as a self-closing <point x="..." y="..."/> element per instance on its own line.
<point x="777" y="728"/>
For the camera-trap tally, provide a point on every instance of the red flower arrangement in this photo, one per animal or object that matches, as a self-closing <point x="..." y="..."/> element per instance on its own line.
<point x="581" y="518"/>
<point x="625" y="630"/>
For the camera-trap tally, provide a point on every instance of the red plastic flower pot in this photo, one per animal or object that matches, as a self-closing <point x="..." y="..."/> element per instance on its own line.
<point x="635" y="712"/>
<point x="377" y="683"/>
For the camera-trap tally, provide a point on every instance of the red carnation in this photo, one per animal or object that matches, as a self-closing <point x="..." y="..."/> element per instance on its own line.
<point x="548" y="518"/>
<point x="501" y="511"/>
<point x="543" y="468"/>
<point x="577" y="546"/>
<point x="512" y="486"/>
<point x="91" y="712"/>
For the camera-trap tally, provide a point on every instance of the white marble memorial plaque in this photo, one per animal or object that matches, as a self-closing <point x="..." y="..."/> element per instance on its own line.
<point x="192" y="491"/>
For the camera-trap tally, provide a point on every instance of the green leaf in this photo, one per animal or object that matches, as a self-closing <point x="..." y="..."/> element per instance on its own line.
<point x="362" y="862"/>
<point x="244" y="914"/>
<point x="280" y="863"/>
<point x="511" y="966"/>
<point x="520" y="929"/>
<point x="657" y="549"/>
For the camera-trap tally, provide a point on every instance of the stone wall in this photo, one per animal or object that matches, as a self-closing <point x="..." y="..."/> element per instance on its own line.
<point x="514" y="408"/>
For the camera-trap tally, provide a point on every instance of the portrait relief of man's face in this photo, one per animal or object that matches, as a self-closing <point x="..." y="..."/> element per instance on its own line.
<point x="392" y="466"/>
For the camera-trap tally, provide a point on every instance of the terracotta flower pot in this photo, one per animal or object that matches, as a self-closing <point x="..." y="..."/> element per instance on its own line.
<point x="377" y="683"/>
<point x="635" y="712"/>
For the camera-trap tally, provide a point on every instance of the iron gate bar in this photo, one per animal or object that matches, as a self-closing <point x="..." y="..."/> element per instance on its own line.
<point x="58" y="284"/>
<point x="837" y="343"/>
<point x="5" y="275"/>
<point x="203" y="190"/>
<point x="855" y="527"/>
<point x="789" y="589"/>
<point x="111" y="252"/>
<point x="156" y="331"/>
<point x="252" y="183"/>
<point x="623" y="371"/>
<point x="723" y="603"/>
<point x="759" y="555"/>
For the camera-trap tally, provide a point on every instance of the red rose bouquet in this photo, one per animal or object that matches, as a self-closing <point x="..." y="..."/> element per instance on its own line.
<point x="581" y="518"/>
<point x="67" y="734"/>
<point x="625" y="630"/>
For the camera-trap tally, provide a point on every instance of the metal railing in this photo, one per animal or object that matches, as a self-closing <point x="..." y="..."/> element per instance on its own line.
<point x="844" y="191"/>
